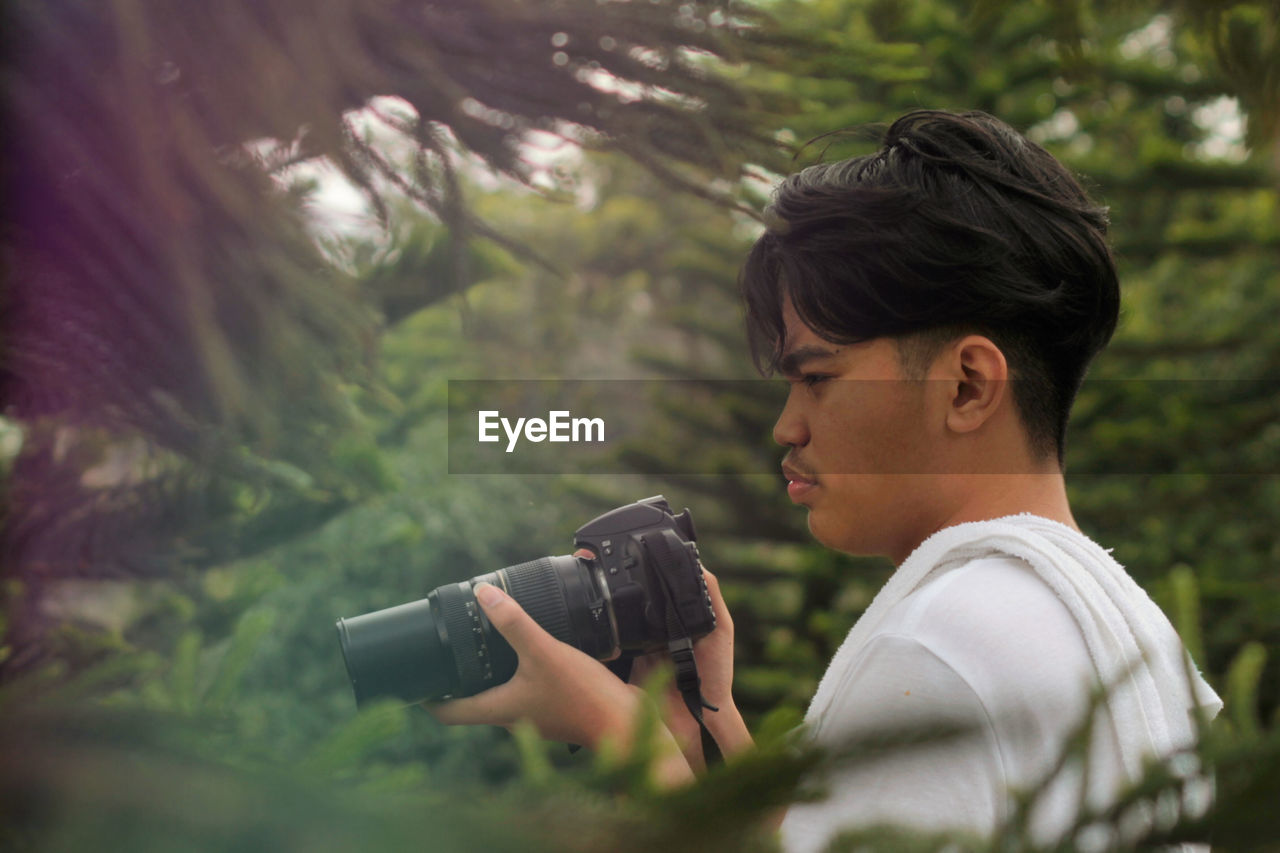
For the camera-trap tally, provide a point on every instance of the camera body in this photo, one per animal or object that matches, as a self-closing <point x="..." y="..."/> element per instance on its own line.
<point x="642" y="591"/>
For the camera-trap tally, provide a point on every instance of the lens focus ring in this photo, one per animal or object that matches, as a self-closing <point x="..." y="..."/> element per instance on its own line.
<point x="466" y="640"/>
<point x="534" y="584"/>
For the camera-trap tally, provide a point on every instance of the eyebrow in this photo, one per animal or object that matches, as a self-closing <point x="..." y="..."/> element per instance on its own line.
<point x="790" y="364"/>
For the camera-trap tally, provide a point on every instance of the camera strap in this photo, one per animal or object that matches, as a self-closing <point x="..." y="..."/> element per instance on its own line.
<point x="680" y="647"/>
<point x="690" y="687"/>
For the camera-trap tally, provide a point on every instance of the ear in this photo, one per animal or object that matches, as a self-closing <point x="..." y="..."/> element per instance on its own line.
<point x="976" y="375"/>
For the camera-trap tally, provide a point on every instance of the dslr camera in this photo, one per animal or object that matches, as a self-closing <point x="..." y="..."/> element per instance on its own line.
<point x="642" y="592"/>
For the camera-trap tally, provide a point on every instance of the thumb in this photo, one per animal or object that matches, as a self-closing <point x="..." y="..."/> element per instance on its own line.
<point x="509" y="618"/>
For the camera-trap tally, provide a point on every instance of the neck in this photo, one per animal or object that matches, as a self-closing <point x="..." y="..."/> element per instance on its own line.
<point x="986" y="496"/>
<point x="998" y="495"/>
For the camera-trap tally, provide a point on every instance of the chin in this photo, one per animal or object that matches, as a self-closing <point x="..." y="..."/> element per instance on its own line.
<point x="841" y="534"/>
<point x="830" y="535"/>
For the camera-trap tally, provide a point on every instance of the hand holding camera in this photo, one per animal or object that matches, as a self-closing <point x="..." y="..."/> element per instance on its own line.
<point x="714" y="655"/>
<point x="634" y="588"/>
<point x="565" y="693"/>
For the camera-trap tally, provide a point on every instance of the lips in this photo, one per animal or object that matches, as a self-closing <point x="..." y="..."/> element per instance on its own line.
<point x="798" y="484"/>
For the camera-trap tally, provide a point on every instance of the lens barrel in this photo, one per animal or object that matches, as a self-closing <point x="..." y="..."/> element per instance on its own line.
<point x="641" y="591"/>
<point x="443" y="646"/>
<point x="397" y="652"/>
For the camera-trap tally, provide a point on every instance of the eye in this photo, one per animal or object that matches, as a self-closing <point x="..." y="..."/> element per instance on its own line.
<point x="812" y="379"/>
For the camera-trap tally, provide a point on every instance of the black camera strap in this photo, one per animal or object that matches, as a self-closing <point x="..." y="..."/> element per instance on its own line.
<point x="680" y="647"/>
<point x="690" y="687"/>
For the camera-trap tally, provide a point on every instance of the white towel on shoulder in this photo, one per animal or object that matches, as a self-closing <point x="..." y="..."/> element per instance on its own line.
<point x="1124" y="630"/>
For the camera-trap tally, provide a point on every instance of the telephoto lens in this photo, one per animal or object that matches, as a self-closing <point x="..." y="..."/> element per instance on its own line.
<point x="443" y="646"/>
<point x="642" y="589"/>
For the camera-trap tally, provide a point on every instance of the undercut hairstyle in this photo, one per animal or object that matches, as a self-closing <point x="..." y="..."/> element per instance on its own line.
<point x="957" y="225"/>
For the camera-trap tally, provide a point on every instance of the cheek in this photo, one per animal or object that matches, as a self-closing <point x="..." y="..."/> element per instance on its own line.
<point x="880" y="429"/>
<point x="845" y="434"/>
<point x="872" y="442"/>
<point x="903" y="443"/>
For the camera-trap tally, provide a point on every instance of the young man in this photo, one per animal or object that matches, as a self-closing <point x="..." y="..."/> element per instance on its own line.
<point x="934" y="307"/>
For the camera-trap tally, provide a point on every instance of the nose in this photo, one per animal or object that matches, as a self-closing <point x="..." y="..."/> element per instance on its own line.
<point x="791" y="428"/>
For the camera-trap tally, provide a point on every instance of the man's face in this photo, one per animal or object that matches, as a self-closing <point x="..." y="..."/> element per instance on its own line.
<point x="854" y="425"/>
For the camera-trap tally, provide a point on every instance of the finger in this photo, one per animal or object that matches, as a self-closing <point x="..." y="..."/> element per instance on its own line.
<point x="510" y="620"/>
<point x="717" y="598"/>
<point x="486" y="708"/>
<point x="713" y="588"/>
<point x="584" y="552"/>
<point x="712" y="581"/>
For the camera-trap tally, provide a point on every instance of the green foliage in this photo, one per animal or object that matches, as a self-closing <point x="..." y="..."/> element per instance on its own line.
<point x="136" y="776"/>
<point x="192" y="694"/>
<point x="1242" y="688"/>
<point x="1243" y="37"/>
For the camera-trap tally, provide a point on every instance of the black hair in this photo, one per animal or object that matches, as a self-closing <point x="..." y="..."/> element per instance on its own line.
<point x="957" y="224"/>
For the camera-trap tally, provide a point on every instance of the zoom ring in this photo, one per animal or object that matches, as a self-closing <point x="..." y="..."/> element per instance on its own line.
<point x="534" y="584"/>
<point x="466" y="642"/>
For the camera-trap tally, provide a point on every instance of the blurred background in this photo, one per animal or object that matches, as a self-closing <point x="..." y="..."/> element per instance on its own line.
<point x="247" y="244"/>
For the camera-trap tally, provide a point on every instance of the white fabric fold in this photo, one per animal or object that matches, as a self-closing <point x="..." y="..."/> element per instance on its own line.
<point x="1155" y="687"/>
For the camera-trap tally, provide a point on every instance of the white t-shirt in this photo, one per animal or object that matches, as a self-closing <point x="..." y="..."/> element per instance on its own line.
<point x="986" y="646"/>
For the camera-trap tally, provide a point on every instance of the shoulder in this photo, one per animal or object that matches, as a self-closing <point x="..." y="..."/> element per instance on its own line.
<point x="1001" y="629"/>
<point x="984" y="647"/>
